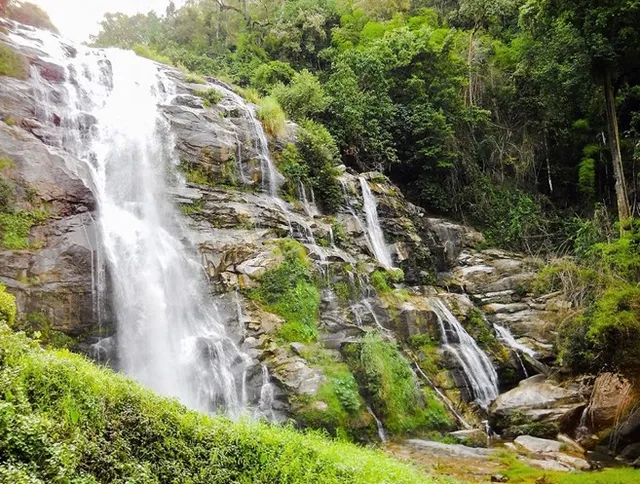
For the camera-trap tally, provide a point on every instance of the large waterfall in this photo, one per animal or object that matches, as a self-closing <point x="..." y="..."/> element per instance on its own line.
<point x="169" y="335"/>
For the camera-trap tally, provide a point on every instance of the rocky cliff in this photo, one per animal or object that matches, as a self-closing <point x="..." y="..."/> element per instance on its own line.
<point x="449" y="323"/>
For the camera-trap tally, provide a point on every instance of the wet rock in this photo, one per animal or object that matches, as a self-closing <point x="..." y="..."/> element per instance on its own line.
<point x="499" y="478"/>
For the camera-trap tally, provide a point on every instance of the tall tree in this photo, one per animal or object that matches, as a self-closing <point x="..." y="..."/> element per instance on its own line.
<point x="609" y="29"/>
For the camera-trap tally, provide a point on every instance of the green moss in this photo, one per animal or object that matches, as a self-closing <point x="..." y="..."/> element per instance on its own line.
<point x="392" y="388"/>
<point x="210" y="97"/>
<point x="379" y="280"/>
<point x="16" y="227"/>
<point x="289" y="291"/>
<point x="64" y="419"/>
<point x="195" y="207"/>
<point x="12" y="64"/>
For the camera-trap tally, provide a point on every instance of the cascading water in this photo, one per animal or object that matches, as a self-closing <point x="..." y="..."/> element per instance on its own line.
<point x="265" y="406"/>
<point x="374" y="231"/>
<point x="518" y="348"/>
<point x="169" y="333"/>
<point x="476" y="365"/>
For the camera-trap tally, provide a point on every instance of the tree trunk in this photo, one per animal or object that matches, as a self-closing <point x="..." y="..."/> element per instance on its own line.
<point x="470" y="52"/>
<point x="624" y="213"/>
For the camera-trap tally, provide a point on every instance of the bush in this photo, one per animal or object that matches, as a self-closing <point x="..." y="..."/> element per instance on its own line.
<point x="7" y="307"/>
<point x="194" y="78"/>
<point x="12" y="64"/>
<point x="63" y="419"/>
<point x="7" y="194"/>
<point x="289" y="291"/>
<point x="210" y="97"/>
<point x="304" y="98"/>
<point x="320" y="153"/>
<point x="272" y="116"/>
<point x="268" y="75"/>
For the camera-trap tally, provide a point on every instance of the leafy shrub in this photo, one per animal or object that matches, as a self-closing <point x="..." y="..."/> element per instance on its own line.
<point x="210" y="97"/>
<point x="63" y="419"/>
<point x="7" y="194"/>
<point x="268" y="75"/>
<point x="320" y="152"/>
<point x="293" y="168"/>
<point x="12" y="63"/>
<point x="289" y="291"/>
<point x="304" y="98"/>
<point x="7" y="307"/>
<point x="379" y="280"/>
<point x="272" y="116"/>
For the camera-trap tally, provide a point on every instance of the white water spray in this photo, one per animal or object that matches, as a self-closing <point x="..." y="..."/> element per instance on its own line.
<point x="374" y="231"/>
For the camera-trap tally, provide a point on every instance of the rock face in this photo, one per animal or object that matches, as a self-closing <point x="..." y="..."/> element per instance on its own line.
<point x="234" y="219"/>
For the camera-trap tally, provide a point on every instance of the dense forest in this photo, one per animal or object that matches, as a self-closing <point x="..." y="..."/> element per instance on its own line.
<point x="520" y="117"/>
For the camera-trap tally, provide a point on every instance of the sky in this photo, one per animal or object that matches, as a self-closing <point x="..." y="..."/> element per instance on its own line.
<point x="77" y="19"/>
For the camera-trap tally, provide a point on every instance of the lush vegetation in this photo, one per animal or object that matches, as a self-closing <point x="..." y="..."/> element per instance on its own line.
<point x="392" y="388"/>
<point x="11" y="63"/>
<point x="63" y="419"/>
<point x="510" y="114"/>
<point x="289" y="290"/>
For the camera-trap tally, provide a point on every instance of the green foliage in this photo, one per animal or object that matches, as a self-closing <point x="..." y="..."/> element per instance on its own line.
<point x="289" y="291"/>
<point x="7" y="194"/>
<point x="392" y="387"/>
<point x="16" y="227"/>
<point x="270" y="74"/>
<point x="587" y="177"/>
<point x="304" y="98"/>
<point x="293" y="168"/>
<point x="320" y="153"/>
<point x="272" y="116"/>
<point x="150" y="53"/>
<point x="64" y="419"/>
<point x="12" y="63"/>
<point x="210" y="97"/>
<point x="379" y="280"/>
<point x="7" y="307"/>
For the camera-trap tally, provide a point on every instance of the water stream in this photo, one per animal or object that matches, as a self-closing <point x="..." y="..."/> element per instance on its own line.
<point x="477" y="367"/>
<point x="374" y="231"/>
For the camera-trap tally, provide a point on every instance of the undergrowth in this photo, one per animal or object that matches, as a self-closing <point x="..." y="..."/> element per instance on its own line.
<point x="63" y="419"/>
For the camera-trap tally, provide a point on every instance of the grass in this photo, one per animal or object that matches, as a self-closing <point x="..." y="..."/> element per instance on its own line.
<point x="289" y="291"/>
<point x="518" y="472"/>
<point x="192" y="78"/>
<point x="64" y="419"/>
<point x="210" y="97"/>
<point x="150" y="53"/>
<point x="12" y="64"/>
<point x="272" y="116"/>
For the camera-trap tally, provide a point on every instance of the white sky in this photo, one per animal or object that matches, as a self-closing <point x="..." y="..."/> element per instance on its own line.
<point x="77" y="19"/>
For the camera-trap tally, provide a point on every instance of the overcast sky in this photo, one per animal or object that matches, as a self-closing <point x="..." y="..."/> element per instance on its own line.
<point x="77" y="19"/>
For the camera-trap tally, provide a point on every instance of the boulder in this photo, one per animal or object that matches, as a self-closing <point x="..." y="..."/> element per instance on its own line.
<point x="536" y="445"/>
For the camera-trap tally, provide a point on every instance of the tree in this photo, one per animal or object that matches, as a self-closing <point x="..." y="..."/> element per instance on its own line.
<point x="610" y="34"/>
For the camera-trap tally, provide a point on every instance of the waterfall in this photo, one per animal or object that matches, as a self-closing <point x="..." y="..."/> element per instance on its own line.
<point x="169" y="334"/>
<point x="374" y="231"/>
<point x="265" y="406"/>
<point x="518" y="348"/>
<point x="476" y="365"/>
<point x="382" y="434"/>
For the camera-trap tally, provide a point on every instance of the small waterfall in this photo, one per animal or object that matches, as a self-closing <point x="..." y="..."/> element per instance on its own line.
<point x="265" y="406"/>
<point x="476" y="365"/>
<point x="507" y="338"/>
<point x="310" y="207"/>
<point x="170" y="336"/>
<point x="374" y="231"/>
<point x="382" y="434"/>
